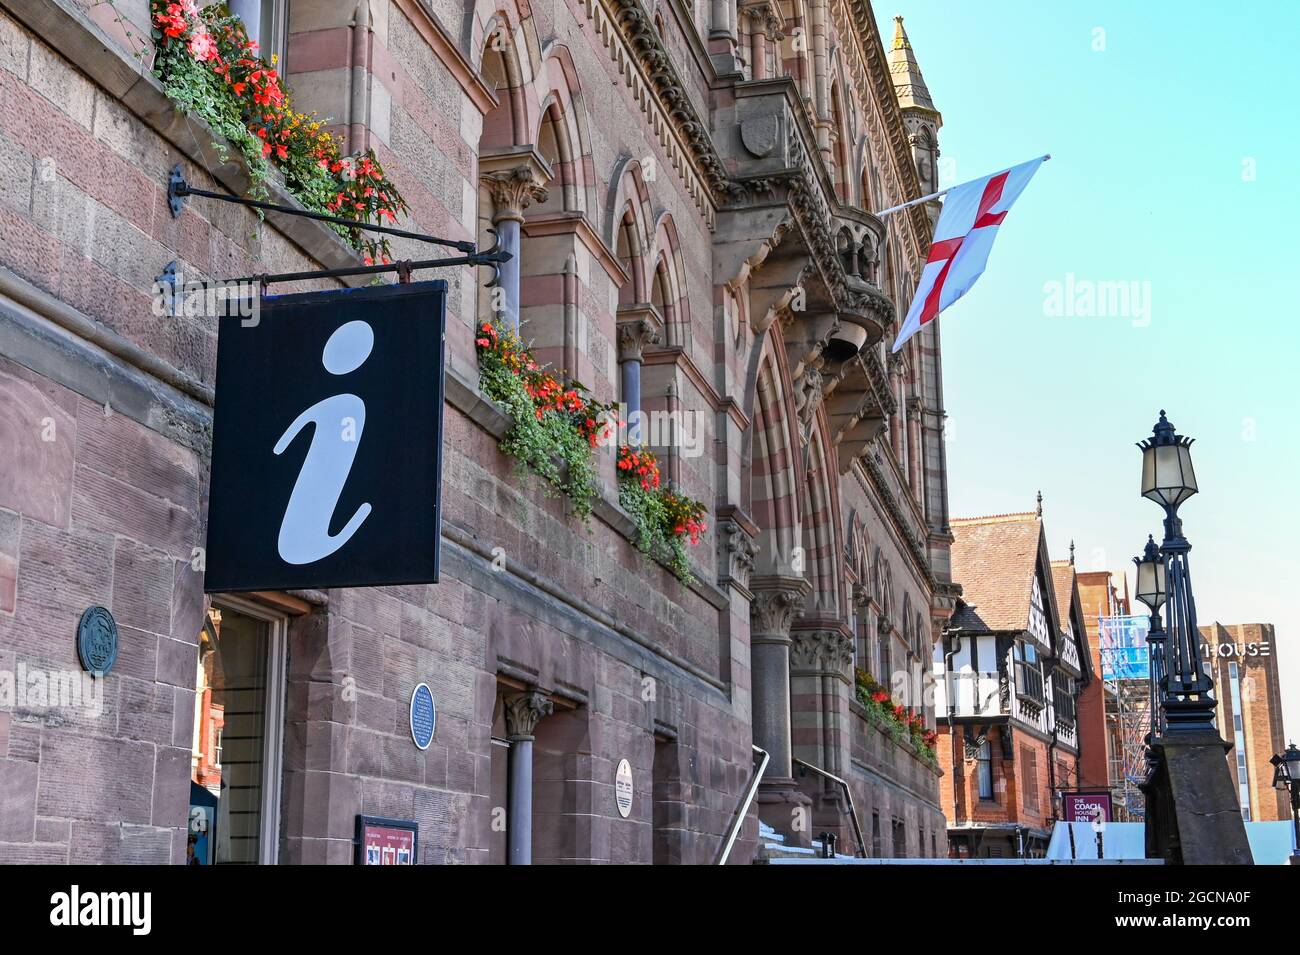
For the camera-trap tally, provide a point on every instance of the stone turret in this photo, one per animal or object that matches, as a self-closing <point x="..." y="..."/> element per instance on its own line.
<point x="920" y="117"/>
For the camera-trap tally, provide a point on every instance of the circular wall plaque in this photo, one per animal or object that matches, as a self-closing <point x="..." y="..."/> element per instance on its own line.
<point x="97" y="640"/>
<point x="623" y="788"/>
<point x="424" y="715"/>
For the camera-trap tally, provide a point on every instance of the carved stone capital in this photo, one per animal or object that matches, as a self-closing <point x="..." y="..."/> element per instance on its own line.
<point x="524" y="711"/>
<point x="513" y="191"/>
<point x="822" y="651"/>
<point x="766" y="19"/>
<point x="774" y="608"/>
<point x="634" y="334"/>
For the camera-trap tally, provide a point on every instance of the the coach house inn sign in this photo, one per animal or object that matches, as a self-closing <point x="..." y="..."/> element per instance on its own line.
<point x="327" y="440"/>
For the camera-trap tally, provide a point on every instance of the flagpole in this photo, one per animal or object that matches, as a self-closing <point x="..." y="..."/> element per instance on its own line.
<point x="934" y="195"/>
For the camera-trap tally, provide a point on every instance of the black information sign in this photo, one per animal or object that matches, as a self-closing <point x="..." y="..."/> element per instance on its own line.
<point x="327" y="441"/>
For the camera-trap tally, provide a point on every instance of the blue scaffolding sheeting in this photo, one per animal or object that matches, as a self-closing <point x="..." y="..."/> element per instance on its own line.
<point x="1123" y="645"/>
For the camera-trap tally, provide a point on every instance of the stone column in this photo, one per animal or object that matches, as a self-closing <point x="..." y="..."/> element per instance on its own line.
<point x="914" y="455"/>
<point x="821" y="662"/>
<point x="777" y="602"/>
<point x="513" y="190"/>
<point x="862" y="611"/>
<point x="633" y="336"/>
<point x="523" y="712"/>
<point x="765" y="32"/>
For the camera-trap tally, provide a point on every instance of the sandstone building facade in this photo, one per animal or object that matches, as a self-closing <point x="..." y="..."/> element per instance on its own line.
<point x="687" y="189"/>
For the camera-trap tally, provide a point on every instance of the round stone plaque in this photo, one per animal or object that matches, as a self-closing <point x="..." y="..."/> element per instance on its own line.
<point x="97" y="640"/>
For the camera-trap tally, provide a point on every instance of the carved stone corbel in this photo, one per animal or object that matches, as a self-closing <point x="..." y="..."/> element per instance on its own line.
<point x="861" y="597"/>
<point x="736" y="552"/>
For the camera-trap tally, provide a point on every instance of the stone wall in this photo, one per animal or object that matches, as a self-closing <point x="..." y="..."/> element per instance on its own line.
<point x="105" y="408"/>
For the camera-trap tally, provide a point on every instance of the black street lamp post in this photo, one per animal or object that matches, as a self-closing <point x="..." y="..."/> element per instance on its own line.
<point x="1286" y="776"/>
<point x="1192" y="812"/>
<point x="1169" y="480"/>
<point x="1151" y="591"/>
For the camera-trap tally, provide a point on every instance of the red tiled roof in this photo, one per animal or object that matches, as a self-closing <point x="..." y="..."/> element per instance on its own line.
<point x="994" y="558"/>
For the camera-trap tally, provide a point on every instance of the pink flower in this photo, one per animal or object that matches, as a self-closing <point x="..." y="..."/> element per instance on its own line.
<point x="203" y="47"/>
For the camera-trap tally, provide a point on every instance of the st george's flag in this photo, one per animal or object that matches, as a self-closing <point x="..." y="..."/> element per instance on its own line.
<point x="962" y="240"/>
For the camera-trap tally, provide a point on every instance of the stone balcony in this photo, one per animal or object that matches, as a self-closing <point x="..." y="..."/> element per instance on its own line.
<point x="811" y="264"/>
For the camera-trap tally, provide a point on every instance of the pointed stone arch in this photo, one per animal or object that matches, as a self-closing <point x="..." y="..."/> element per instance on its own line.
<point x="669" y="291"/>
<point x="507" y="56"/>
<point x="772" y="496"/>
<point x="627" y="229"/>
<point x="565" y="121"/>
<point x="512" y="175"/>
<point x="820" y="527"/>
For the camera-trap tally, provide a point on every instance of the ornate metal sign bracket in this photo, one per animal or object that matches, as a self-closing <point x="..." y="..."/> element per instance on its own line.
<point x="178" y="190"/>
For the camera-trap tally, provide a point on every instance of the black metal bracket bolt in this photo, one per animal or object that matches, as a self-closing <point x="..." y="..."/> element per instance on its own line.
<point x="177" y="190"/>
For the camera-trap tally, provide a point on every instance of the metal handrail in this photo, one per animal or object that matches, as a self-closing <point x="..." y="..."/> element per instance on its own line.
<point x="743" y="809"/>
<point x="853" y="812"/>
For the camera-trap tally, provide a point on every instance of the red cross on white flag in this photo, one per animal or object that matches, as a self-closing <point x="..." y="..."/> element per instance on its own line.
<point x="962" y="240"/>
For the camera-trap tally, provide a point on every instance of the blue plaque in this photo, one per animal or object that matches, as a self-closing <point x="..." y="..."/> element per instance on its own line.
<point x="97" y="640"/>
<point x="424" y="715"/>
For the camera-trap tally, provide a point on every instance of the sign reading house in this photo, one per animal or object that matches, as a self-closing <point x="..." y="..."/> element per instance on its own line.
<point x="327" y="440"/>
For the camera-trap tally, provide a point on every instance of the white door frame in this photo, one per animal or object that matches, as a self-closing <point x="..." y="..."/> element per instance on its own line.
<point x="273" y="749"/>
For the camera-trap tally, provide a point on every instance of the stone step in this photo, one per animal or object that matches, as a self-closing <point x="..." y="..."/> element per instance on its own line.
<point x="771" y="847"/>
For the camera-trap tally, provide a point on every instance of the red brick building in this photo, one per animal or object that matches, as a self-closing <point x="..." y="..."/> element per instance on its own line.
<point x="1009" y="673"/>
<point x="1242" y="659"/>
<point x="1099" y="759"/>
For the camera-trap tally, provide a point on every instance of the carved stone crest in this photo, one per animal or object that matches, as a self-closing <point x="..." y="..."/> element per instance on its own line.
<point x="759" y="135"/>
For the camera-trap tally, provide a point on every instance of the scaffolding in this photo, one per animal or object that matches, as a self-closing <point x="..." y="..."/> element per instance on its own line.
<point x="1126" y="669"/>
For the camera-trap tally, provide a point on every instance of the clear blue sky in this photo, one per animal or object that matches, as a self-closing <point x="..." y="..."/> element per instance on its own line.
<point x="1154" y="141"/>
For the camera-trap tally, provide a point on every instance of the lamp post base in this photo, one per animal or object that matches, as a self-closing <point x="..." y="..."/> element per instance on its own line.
<point x="1190" y="717"/>
<point x="1193" y="791"/>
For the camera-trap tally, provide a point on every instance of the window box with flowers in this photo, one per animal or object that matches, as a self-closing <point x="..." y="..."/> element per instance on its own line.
<point x="556" y="426"/>
<point x="897" y="722"/>
<point x="208" y="66"/>
<point x="665" y="520"/>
